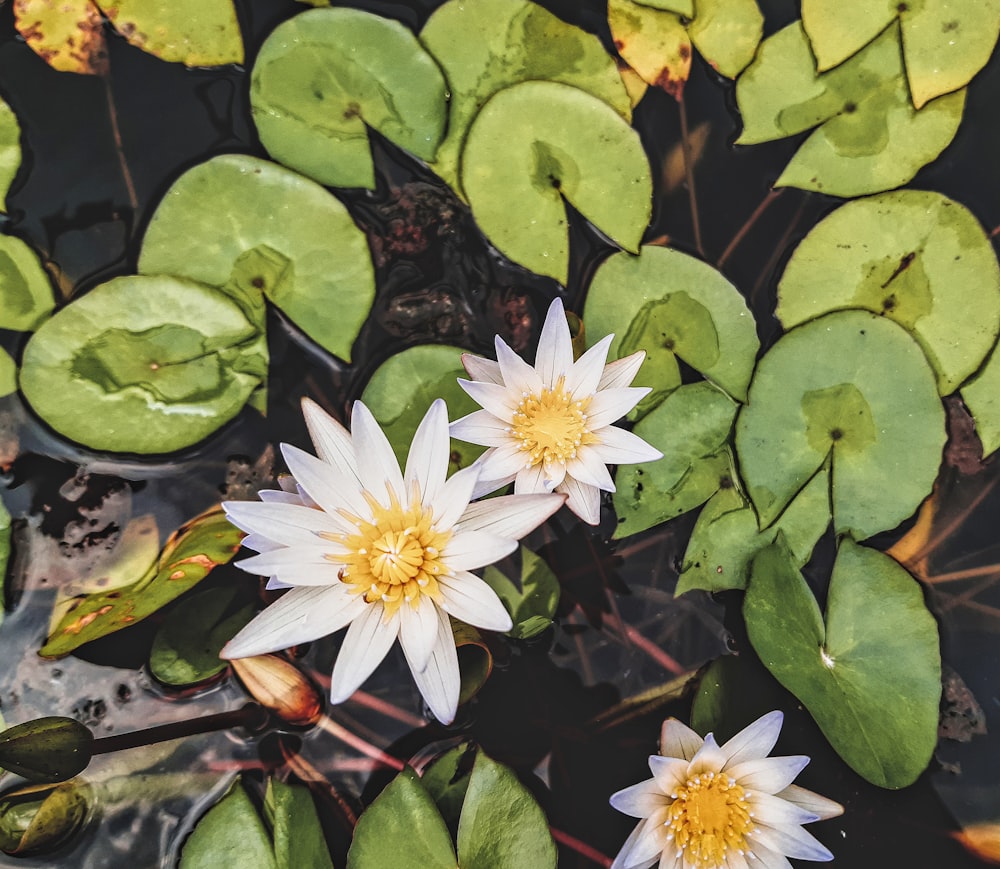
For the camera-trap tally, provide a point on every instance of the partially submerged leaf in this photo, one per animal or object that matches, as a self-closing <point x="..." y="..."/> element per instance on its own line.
<point x="871" y="674"/>
<point x="143" y="364"/>
<point x="190" y="554"/>
<point x="655" y="43"/>
<point x="49" y="749"/>
<point x="10" y="151"/>
<point x="67" y="34"/>
<point x="533" y="603"/>
<point x="229" y="833"/>
<point x="25" y="291"/>
<point x="538" y="145"/>
<point x="324" y="77"/>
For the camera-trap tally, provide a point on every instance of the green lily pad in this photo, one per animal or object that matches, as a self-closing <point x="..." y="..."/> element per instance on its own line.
<point x="681" y="7"/>
<point x="234" y="212"/>
<point x="536" y="146"/>
<point x="8" y="373"/>
<point x="25" y="292"/>
<point x="150" y="377"/>
<point x="295" y="826"/>
<point x="653" y="42"/>
<point x="944" y="44"/>
<point x="324" y="77"/>
<point x="727" y="33"/>
<point x="190" y="554"/>
<point x="982" y="396"/>
<point x="192" y="32"/>
<point x="186" y="646"/>
<point x="484" y="46"/>
<point x="871" y="675"/>
<point x="726" y="536"/>
<point x="734" y="690"/>
<point x="533" y="604"/>
<point x="447" y="780"/>
<point x="229" y="833"/>
<point x="914" y="256"/>
<point x="673" y="306"/>
<point x="403" y="387"/>
<point x="402" y="828"/>
<point x="869" y="138"/>
<point x="502" y="827"/>
<point x="822" y="394"/>
<point x="10" y="151"/>
<point x="691" y="428"/>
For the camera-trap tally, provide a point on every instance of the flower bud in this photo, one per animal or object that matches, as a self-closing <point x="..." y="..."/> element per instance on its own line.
<point x="280" y="686"/>
<point x="49" y="749"/>
<point x="38" y="819"/>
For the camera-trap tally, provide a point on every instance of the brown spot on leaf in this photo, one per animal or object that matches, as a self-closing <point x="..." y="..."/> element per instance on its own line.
<point x="673" y="86"/>
<point x="201" y="560"/>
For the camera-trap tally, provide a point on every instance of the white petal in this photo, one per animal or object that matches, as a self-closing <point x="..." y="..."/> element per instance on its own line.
<point x="639" y="801"/>
<point x="288" y="557"/>
<point x="820" y="806"/>
<point x="678" y="740"/>
<point x="755" y="740"/>
<point x="767" y="774"/>
<point x="669" y="772"/>
<point x="286" y="524"/>
<point x="295" y="575"/>
<point x="622" y="372"/>
<point x="482" y="427"/>
<point x="643" y="846"/>
<point x="367" y="642"/>
<point x="326" y="485"/>
<point x="275" y="584"/>
<point x="467" y="550"/>
<point x="439" y="682"/>
<point x="331" y="439"/>
<point x="709" y="758"/>
<point x="278" y="496"/>
<point x="620" y="447"/>
<point x="470" y="600"/>
<point x="775" y="812"/>
<point x="418" y="630"/>
<point x="510" y="516"/>
<point x="554" y="356"/>
<point x="766" y="858"/>
<point x="498" y="400"/>
<point x="736" y="860"/>
<point x="583" y="500"/>
<point x="485" y="370"/>
<point x="588" y="468"/>
<point x="585" y="375"/>
<point x="377" y="464"/>
<point x="531" y="479"/>
<point x="427" y="462"/>
<point x="517" y="374"/>
<point x="791" y="841"/>
<point x="501" y="462"/>
<point x="261" y="543"/>
<point x="299" y="616"/>
<point x="610" y="405"/>
<point x="453" y="499"/>
<point x="486" y="487"/>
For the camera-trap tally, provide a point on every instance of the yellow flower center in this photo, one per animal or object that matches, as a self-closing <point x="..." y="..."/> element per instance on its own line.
<point x="710" y="816"/>
<point x="550" y="425"/>
<point x="395" y="556"/>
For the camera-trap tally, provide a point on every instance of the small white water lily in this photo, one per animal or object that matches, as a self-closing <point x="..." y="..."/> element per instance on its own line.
<point x="387" y="552"/>
<point x="549" y="426"/>
<point x="721" y="807"/>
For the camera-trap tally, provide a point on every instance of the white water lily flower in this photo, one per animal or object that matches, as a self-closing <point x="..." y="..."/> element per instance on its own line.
<point x="384" y="551"/>
<point x="549" y="426"/>
<point x="721" y="807"/>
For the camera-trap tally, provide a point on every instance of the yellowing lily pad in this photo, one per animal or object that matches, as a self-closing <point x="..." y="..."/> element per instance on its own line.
<point x="67" y="34"/>
<point x="324" y="77"/>
<point x="727" y="33"/>
<point x="944" y="43"/>
<point x="673" y="306"/>
<point x="853" y="389"/>
<point x="870" y="674"/>
<point x="25" y="292"/>
<point x="484" y="46"/>
<point x="681" y="7"/>
<point x="538" y="145"/>
<point x="10" y="151"/>
<point x="655" y="43"/>
<point x="271" y="229"/>
<point x="914" y="256"/>
<point x="8" y="373"/>
<point x="869" y="137"/>
<point x="143" y="365"/>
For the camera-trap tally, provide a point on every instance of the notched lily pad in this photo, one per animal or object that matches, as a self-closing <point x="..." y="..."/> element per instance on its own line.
<point x="295" y="827"/>
<point x="230" y="832"/>
<point x="240" y="220"/>
<point x="25" y="292"/>
<point x="538" y="145"/>
<point x="871" y="674"/>
<point x="654" y="42"/>
<point x="324" y="77"/>
<point x="914" y="256"/>
<point x="10" y="151"/>
<point x="822" y="394"/>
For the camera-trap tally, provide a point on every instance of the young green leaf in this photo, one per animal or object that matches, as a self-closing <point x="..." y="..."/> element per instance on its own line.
<point x="25" y="291"/>
<point x="8" y="373"/>
<point x="295" y="826"/>
<point x="10" y="151"/>
<point x="229" y="833"/>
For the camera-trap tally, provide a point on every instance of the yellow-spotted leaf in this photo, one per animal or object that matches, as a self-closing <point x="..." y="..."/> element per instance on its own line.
<point x="854" y="390"/>
<point x="484" y="46"/>
<point x="67" y="34"/>
<point x="539" y="145"/>
<point x="655" y="43"/>
<point x="681" y="7"/>
<point x="913" y="256"/>
<point x="25" y="291"/>
<point x="326" y="76"/>
<point x="727" y="33"/>
<point x="10" y="151"/>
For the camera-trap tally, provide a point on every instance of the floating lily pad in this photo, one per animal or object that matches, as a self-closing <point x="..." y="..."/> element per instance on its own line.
<point x="295" y="827"/>
<point x="726" y="536"/>
<point x="234" y="213"/>
<point x="404" y="386"/>
<point x="10" y="151"/>
<point x="869" y="137"/>
<point x="25" y="292"/>
<point x="691" y="428"/>
<point x="324" y="77"/>
<point x="914" y="256"/>
<point x="727" y="33"/>
<point x="447" y="780"/>
<point x="67" y="34"/>
<point x="484" y="46"/>
<point x="654" y="42"/>
<point x="8" y="373"/>
<point x="532" y="603"/>
<point x="824" y="393"/>
<point x="229" y="833"/>
<point x="734" y="690"/>
<point x="982" y="396"/>
<point x="871" y="675"/>
<point x="944" y="44"/>
<point x="681" y="7"/>
<point x="673" y="306"/>
<point x="538" y="145"/>
<point x="143" y="365"/>
<point x="192" y="32"/>
<point x="190" y="554"/>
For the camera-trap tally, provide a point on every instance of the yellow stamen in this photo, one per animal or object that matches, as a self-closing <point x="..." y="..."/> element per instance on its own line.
<point x="710" y="816"/>
<point x="551" y="425"/>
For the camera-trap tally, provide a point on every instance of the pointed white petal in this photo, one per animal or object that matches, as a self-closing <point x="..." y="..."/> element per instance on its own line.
<point x="639" y="801"/>
<point x="261" y="543"/>
<point x="517" y="374"/>
<point x="588" y="468"/>
<point x="554" y="356"/>
<point x="620" y="447"/>
<point x="501" y="462"/>
<point x="586" y="372"/>
<point x="530" y="480"/>
<point x="776" y="812"/>
<point x="286" y="524"/>
<point x="418" y="629"/>
<point x="470" y="600"/>
<point x="299" y="616"/>
<point x="792" y="841"/>
<point x="468" y="550"/>
<point x="486" y="487"/>
<point x="709" y="758"/>
<point x="482" y="427"/>
<point x="427" y="462"/>
<point x="331" y="439"/>
<point x="275" y="584"/>
<point x="329" y="488"/>
<point x="368" y="641"/>
<point x="377" y="465"/>
<point x="485" y="370"/>
<point x="439" y="681"/>
<point x="278" y="496"/>
<point x="679" y="740"/>
<point x="454" y="497"/>
<point x="622" y="372"/>
<point x="668" y="772"/>
<point x="767" y="774"/>
<point x="735" y="860"/>
<point x="820" y="806"/>
<point x="610" y="405"/>
<point x="766" y="858"/>
<point x="498" y="400"/>
<point x="755" y="740"/>
<point x="289" y="557"/>
<point x="643" y="846"/>
<point x="583" y="500"/>
<point x="555" y="473"/>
